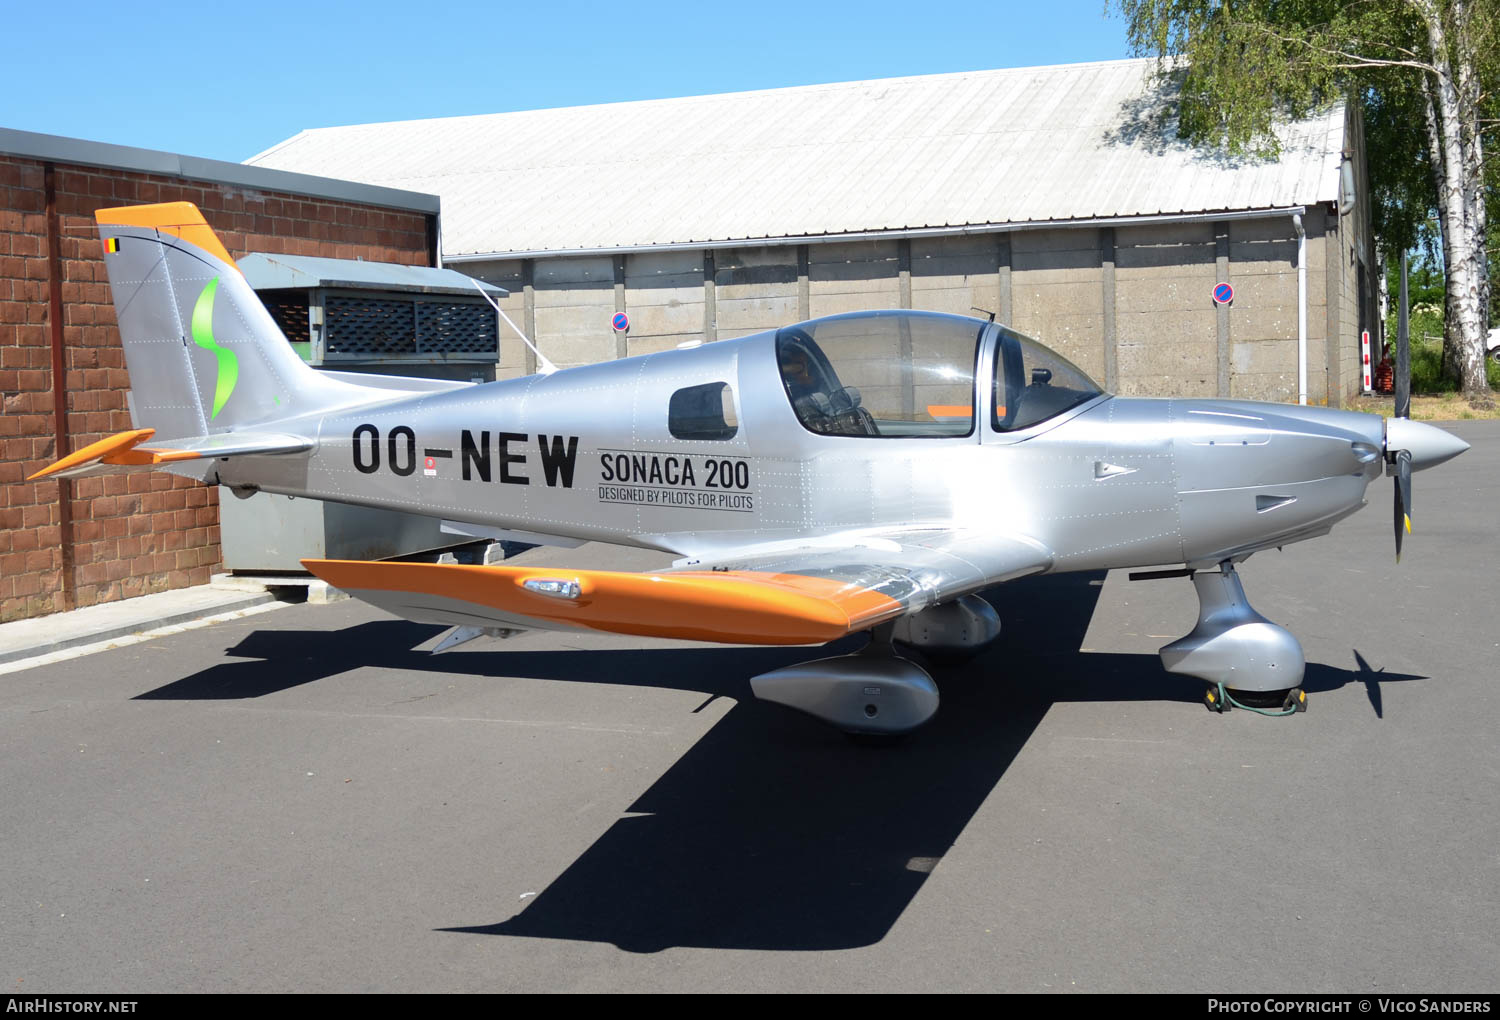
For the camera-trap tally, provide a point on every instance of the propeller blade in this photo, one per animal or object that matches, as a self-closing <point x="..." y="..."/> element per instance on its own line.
<point x="1403" y="479"/>
<point x="1402" y="492"/>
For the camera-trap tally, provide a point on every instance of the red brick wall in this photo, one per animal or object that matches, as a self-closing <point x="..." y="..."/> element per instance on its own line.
<point x="143" y="531"/>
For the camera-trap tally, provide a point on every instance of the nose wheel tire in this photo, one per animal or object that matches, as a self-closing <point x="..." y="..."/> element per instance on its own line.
<point x="1217" y="698"/>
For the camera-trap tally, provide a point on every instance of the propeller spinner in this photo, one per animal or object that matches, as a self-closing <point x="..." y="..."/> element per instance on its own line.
<point x="1411" y="446"/>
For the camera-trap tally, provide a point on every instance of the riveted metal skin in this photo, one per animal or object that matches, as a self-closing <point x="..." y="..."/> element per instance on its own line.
<point x="1115" y="482"/>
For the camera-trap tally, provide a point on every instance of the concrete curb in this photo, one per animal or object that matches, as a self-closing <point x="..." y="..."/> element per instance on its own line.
<point x="26" y="639"/>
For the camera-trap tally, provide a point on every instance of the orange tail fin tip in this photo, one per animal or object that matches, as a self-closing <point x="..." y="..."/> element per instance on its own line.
<point x="180" y="219"/>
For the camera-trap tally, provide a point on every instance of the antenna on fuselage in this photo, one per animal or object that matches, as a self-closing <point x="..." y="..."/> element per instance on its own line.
<point x="543" y="366"/>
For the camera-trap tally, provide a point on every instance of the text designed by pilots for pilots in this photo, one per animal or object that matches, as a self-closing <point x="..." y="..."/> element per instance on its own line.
<point x="686" y="481"/>
<point x="1334" y="1004"/>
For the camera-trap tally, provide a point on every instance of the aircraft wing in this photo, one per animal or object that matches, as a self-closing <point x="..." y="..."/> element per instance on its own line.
<point x="792" y="593"/>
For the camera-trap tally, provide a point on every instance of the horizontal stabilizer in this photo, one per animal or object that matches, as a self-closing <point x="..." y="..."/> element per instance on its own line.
<point x="748" y="607"/>
<point x="130" y="449"/>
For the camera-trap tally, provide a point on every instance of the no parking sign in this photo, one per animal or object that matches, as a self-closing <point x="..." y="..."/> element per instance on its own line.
<point x="1223" y="294"/>
<point x="621" y="322"/>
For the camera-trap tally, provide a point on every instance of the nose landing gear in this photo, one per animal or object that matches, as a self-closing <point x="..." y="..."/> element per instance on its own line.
<point x="1218" y="699"/>
<point x="1246" y="659"/>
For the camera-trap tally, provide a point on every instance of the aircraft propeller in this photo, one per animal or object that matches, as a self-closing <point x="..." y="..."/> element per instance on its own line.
<point x="1411" y="446"/>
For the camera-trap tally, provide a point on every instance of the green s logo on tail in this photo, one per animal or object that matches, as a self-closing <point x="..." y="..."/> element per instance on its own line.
<point x="203" y="336"/>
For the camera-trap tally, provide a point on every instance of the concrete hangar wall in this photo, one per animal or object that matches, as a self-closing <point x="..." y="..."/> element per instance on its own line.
<point x="66" y="543"/>
<point x="1131" y="304"/>
<point x="1056" y="197"/>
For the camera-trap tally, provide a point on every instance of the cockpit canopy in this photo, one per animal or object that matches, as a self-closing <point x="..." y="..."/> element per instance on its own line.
<point x="907" y="374"/>
<point x="1034" y="383"/>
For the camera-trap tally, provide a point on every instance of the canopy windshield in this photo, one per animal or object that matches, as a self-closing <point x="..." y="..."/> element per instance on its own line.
<point x="1034" y="383"/>
<point x="886" y="374"/>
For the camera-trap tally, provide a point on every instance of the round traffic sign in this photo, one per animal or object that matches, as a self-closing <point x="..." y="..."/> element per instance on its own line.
<point x="1223" y="294"/>
<point x="621" y="322"/>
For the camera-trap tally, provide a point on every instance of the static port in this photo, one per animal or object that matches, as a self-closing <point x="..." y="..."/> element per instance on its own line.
<point x="871" y="711"/>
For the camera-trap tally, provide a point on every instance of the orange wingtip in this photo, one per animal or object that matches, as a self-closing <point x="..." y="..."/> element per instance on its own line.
<point x="735" y="606"/>
<point x="115" y="445"/>
<point x="180" y="219"/>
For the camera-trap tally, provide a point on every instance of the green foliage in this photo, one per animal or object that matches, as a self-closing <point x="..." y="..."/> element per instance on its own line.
<point x="1243" y="64"/>
<point x="1401" y="182"/>
<point x="1424" y="295"/>
<point x="1427" y="369"/>
<point x="1424" y="284"/>
<point x="1426" y="321"/>
<point x="1248" y="62"/>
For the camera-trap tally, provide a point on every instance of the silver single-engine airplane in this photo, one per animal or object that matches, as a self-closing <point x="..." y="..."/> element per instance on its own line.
<point x="864" y="472"/>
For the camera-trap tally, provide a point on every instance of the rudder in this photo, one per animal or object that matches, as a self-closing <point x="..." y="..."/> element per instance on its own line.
<point x="203" y="353"/>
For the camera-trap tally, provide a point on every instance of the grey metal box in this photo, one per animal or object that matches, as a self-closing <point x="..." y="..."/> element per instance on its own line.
<point x="271" y="533"/>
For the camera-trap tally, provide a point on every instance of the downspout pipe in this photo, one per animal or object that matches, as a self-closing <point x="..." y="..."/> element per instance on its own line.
<point x="1301" y="308"/>
<point x="63" y="444"/>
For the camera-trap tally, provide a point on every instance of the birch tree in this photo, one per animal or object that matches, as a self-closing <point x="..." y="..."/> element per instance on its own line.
<point x="1425" y="71"/>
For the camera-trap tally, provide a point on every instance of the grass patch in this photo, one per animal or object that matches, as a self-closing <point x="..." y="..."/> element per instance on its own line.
<point x="1425" y="407"/>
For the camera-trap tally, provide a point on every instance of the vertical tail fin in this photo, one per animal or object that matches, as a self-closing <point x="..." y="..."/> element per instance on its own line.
<point x="204" y="354"/>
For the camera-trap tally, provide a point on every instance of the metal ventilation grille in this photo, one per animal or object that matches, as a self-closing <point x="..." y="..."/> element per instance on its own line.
<point x="451" y="327"/>
<point x="289" y="309"/>
<point x="369" y="327"/>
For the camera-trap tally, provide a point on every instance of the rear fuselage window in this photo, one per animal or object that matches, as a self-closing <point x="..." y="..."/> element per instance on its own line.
<point x="703" y="412"/>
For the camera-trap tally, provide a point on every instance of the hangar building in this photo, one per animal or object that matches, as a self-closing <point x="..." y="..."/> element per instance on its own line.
<point x="1057" y="198"/>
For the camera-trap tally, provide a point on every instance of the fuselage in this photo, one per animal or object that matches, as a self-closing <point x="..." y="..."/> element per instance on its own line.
<point x="699" y="451"/>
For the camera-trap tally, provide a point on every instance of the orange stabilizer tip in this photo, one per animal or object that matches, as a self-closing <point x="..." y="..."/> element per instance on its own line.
<point x="145" y="455"/>
<point x="180" y="219"/>
<point x="115" y="445"/>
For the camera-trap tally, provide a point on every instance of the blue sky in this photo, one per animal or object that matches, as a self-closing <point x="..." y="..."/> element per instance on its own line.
<point x="190" y="78"/>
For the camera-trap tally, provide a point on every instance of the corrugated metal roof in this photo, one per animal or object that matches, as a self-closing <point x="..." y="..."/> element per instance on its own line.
<point x="1073" y="141"/>
<point x="301" y="272"/>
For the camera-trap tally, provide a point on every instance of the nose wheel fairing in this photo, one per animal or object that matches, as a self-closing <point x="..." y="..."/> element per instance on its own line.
<point x="1232" y="644"/>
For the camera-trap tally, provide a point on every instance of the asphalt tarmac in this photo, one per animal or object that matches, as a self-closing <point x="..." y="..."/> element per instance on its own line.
<point x="304" y="800"/>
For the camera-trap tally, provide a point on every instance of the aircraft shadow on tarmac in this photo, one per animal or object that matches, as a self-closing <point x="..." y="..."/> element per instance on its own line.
<point x="773" y="831"/>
